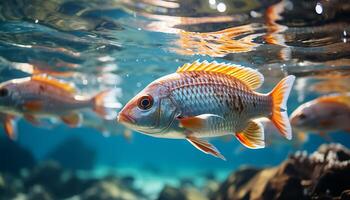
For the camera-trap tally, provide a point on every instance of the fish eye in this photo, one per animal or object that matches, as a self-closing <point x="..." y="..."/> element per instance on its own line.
<point x="4" y="92"/>
<point x="145" y="102"/>
<point x="302" y="116"/>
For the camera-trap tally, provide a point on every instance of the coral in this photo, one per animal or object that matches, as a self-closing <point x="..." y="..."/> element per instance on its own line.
<point x="322" y="175"/>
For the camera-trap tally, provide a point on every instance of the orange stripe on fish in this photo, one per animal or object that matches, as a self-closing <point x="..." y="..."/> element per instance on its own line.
<point x="33" y="105"/>
<point x="344" y="99"/>
<point x="54" y="82"/>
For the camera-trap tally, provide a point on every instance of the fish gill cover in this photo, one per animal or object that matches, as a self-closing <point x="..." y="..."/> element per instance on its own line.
<point x="77" y="63"/>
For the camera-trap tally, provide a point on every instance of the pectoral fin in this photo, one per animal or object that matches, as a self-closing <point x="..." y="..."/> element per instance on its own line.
<point x="197" y="122"/>
<point x="73" y="120"/>
<point x="205" y="146"/>
<point x="10" y="126"/>
<point x="252" y="136"/>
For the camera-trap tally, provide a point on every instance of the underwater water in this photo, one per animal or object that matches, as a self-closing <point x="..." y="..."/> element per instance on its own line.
<point x="124" y="45"/>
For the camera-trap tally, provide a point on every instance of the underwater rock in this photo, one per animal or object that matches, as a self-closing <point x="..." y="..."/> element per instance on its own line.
<point x="171" y="193"/>
<point x="55" y="180"/>
<point x="73" y="153"/>
<point x="14" y="157"/>
<point x="322" y="175"/>
<point x="37" y="192"/>
<point x="109" y="189"/>
<point x="184" y="193"/>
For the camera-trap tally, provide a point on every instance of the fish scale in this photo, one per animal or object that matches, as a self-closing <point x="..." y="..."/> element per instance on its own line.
<point x="206" y="92"/>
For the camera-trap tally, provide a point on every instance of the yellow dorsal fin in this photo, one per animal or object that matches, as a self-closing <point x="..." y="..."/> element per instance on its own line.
<point x="252" y="78"/>
<point x="54" y="82"/>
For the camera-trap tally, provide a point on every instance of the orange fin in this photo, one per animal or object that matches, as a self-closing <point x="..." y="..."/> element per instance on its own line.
<point x="252" y="78"/>
<point x="54" y="82"/>
<point x="106" y="104"/>
<point x="197" y="122"/>
<point x="336" y="98"/>
<point x="33" y="106"/>
<point x="279" y="115"/>
<point x="10" y="125"/>
<point x="73" y="120"/>
<point x="205" y="147"/>
<point x="252" y="136"/>
<point x="32" y="119"/>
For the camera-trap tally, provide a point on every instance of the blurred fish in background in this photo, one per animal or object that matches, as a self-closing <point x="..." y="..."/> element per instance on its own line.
<point x="323" y="115"/>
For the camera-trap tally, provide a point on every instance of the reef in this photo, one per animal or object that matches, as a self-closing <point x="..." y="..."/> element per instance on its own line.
<point x="323" y="174"/>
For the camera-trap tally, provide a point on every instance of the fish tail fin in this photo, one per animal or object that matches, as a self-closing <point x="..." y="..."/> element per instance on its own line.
<point x="279" y="114"/>
<point x="105" y="104"/>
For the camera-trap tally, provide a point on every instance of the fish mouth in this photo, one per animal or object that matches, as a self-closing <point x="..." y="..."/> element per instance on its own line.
<point x="125" y="119"/>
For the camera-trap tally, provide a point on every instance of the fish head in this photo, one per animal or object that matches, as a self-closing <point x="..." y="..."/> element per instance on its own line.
<point x="315" y="116"/>
<point x="303" y="118"/>
<point x="8" y="96"/>
<point x="152" y="111"/>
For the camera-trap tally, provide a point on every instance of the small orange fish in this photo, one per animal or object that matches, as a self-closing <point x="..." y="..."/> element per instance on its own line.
<point x="41" y="96"/>
<point x="324" y="114"/>
<point x="205" y="100"/>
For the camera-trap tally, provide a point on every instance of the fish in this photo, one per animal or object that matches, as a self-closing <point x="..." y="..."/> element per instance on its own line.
<point x="43" y="96"/>
<point x="209" y="99"/>
<point x="325" y="114"/>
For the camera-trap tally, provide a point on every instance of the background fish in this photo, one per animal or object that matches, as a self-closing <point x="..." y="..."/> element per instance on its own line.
<point x="40" y="96"/>
<point x="324" y="114"/>
<point x="208" y="100"/>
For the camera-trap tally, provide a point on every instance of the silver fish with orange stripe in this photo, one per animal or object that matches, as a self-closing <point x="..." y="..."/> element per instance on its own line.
<point x="204" y="100"/>
<point x="42" y="96"/>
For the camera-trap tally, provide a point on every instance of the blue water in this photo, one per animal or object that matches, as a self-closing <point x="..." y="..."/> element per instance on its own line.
<point x="125" y="45"/>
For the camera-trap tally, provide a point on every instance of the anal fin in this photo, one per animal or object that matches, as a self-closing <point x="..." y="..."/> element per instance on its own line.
<point x="10" y="126"/>
<point x="205" y="146"/>
<point x="252" y="136"/>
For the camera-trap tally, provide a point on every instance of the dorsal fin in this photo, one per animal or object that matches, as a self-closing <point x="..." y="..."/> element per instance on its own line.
<point x="336" y="98"/>
<point x="252" y="78"/>
<point x="54" y="82"/>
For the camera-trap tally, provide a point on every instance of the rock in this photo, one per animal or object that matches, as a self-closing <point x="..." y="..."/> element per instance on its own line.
<point x="321" y="175"/>
<point x="109" y="189"/>
<point x="37" y="192"/>
<point x="74" y="154"/>
<point x="14" y="157"/>
<point x="345" y="195"/>
<point x="58" y="182"/>
<point x="171" y="193"/>
<point x="185" y="193"/>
